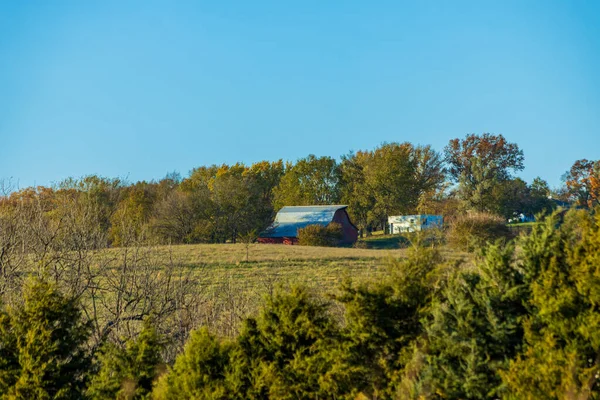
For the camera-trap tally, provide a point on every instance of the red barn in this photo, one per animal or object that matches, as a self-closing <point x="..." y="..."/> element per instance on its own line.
<point x="291" y="218"/>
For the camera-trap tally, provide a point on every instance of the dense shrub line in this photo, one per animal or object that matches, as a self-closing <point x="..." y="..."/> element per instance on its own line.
<point x="225" y="203"/>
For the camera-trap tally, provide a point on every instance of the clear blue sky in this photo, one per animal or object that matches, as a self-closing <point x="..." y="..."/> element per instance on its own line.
<point x="139" y="88"/>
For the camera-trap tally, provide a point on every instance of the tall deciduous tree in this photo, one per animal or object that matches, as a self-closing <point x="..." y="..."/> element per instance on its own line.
<point x="311" y="181"/>
<point x="355" y="192"/>
<point x="129" y="219"/>
<point x="478" y="163"/>
<point x="583" y="182"/>
<point x="393" y="179"/>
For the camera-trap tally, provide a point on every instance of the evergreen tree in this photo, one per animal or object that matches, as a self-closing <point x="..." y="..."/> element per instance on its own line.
<point x="384" y="320"/>
<point x="561" y="358"/>
<point x="198" y="372"/>
<point x="290" y="351"/>
<point x="283" y="354"/>
<point x="48" y="338"/>
<point x="9" y="360"/>
<point x="474" y="328"/>
<point x="293" y="332"/>
<point x="128" y="373"/>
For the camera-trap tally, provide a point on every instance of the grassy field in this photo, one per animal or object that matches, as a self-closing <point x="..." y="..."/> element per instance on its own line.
<point x="229" y="281"/>
<point x="325" y="267"/>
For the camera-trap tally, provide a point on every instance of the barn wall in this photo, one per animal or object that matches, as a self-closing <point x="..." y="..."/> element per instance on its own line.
<point x="350" y="231"/>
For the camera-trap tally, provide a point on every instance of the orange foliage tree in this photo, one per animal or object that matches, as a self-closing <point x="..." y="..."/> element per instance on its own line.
<point x="583" y="182"/>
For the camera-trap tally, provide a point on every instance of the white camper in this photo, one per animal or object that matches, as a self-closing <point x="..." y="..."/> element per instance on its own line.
<point x="414" y="223"/>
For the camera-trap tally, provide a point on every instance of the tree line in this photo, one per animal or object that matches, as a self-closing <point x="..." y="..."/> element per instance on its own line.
<point x="513" y="325"/>
<point x="216" y="204"/>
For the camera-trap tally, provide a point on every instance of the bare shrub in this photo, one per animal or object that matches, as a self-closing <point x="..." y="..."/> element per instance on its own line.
<point x="469" y="231"/>
<point x="319" y="235"/>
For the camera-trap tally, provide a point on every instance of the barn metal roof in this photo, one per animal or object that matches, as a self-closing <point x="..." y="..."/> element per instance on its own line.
<point x="291" y="218"/>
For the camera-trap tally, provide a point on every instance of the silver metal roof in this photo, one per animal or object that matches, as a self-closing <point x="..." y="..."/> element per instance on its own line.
<point x="291" y="218"/>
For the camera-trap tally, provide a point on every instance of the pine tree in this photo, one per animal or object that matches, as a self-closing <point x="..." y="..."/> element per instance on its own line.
<point x="294" y="330"/>
<point x="198" y="372"/>
<point x="474" y="328"/>
<point x="561" y="358"/>
<point x="48" y="339"/>
<point x="9" y="361"/>
<point x="384" y="321"/>
<point x="128" y="373"/>
<point x="285" y="353"/>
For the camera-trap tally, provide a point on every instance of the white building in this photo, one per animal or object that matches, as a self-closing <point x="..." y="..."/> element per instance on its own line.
<point x="414" y="223"/>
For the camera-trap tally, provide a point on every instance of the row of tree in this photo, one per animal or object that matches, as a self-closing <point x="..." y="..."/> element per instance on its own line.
<point x="515" y="325"/>
<point x="223" y="203"/>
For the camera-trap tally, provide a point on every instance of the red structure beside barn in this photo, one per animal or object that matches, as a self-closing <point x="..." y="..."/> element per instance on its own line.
<point x="291" y="218"/>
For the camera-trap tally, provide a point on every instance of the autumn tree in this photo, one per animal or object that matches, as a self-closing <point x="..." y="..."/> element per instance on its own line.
<point x="97" y="194"/>
<point x="480" y="162"/>
<point x="242" y="196"/>
<point x="131" y="215"/>
<point x="262" y="178"/>
<point x="583" y="183"/>
<point x="174" y="217"/>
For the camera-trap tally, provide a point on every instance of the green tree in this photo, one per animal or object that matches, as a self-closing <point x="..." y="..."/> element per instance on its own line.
<point x="539" y="195"/>
<point x="311" y="181"/>
<point x="478" y="163"/>
<point x="47" y="336"/>
<point x="131" y="215"/>
<point x="128" y="373"/>
<point x="9" y="355"/>
<point x="283" y="354"/>
<point x="359" y="197"/>
<point x="384" y="321"/>
<point x="393" y="179"/>
<point x="512" y="197"/>
<point x="561" y="357"/>
<point x="198" y="372"/>
<point x="474" y="328"/>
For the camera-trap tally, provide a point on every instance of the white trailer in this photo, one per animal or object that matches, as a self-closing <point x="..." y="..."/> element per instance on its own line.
<point x="414" y="223"/>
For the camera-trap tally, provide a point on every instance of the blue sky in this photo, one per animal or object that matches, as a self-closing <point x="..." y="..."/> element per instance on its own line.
<point x="137" y="89"/>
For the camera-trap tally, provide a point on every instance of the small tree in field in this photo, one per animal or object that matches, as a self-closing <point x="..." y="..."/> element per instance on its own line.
<point x="248" y="239"/>
<point x="319" y="235"/>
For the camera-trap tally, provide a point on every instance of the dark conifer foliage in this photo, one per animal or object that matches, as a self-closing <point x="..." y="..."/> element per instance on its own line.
<point x="44" y="346"/>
